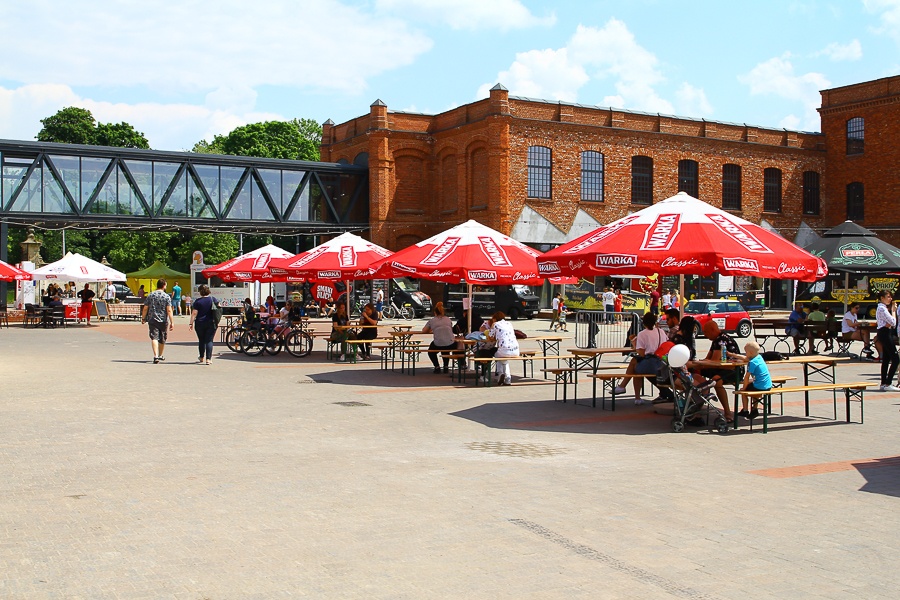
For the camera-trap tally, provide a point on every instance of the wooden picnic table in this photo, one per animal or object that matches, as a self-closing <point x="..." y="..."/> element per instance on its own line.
<point x="589" y="358"/>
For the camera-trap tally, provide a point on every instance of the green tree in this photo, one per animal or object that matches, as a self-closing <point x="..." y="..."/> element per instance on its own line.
<point x="71" y="125"/>
<point x="297" y="139"/>
<point x="120" y="135"/>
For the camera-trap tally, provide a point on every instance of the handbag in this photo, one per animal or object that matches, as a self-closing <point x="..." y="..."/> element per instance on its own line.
<point x="216" y="312"/>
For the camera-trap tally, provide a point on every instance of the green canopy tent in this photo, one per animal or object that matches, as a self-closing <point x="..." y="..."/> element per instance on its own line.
<point x="149" y="276"/>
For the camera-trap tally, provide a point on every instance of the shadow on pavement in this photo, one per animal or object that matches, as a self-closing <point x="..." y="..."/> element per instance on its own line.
<point x="882" y="476"/>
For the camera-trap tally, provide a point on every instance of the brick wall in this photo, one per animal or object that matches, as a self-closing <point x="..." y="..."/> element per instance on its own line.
<point x="878" y="167"/>
<point x="428" y="173"/>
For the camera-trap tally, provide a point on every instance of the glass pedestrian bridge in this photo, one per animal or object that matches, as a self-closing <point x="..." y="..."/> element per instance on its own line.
<point x="66" y="185"/>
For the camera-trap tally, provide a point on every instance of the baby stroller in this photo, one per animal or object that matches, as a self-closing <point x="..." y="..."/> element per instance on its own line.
<point x="693" y="399"/>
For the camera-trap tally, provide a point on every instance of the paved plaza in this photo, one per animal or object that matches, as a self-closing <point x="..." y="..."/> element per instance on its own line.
<point x="276" y="477"/>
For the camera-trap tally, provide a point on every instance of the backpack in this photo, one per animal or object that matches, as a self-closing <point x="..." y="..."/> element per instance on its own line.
<point x="216" y="312"/>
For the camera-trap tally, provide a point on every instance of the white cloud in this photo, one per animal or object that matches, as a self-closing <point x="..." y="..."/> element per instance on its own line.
<point x="607" y="53"/>
<point x="470" y="14"/>
<point x="692" y="101"/>
<point x="836" y="51"/>
<point x="546" y="74"/>
<point x="889" y="13"/>
<point x="776" y="77"/>
<point x="166" y="126"/>
<point x="317" y="44"/>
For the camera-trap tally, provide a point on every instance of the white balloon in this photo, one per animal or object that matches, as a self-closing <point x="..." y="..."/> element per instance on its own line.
<point x="679" y="355"/>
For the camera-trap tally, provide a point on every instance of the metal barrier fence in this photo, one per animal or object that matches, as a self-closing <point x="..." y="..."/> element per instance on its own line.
<point x="601" y="329"/>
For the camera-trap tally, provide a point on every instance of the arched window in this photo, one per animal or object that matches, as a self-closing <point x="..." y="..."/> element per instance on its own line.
<point x="688" y="177"/>
<point x="641" y="180"/>
<point x="811" y="194"/>
<point x="856" y="133"/>
<point x="855" y="202"/>
<point x="539" y="172"/>
<point x="592" y="176"/>
<point x="772" y="190"/>
<point x="731" y="187"/>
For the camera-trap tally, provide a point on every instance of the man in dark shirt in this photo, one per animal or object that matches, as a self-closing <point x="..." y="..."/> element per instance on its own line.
<point x="654" y="302"/>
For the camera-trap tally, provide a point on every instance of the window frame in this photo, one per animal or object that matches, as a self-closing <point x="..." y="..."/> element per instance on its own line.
<point x="812" y="193"/>
<point x="539" y="162"/>
<point x="687" y="179"/>
<point x="732" y="189"/>
<point x="593" y="164"/>
<point x="772" y="190"/>
<point x="856" y="135"/>
<point x="856" y="207"/>
<point x="642" y="180"/>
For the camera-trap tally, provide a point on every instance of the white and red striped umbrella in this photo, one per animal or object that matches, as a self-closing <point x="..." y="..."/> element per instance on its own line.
<point x="11" y="273"/>
<point x="678" y="236"/>
<point x="252" y="266"/>
<point x="468" y="252"/>
<point x="344" y="258"/>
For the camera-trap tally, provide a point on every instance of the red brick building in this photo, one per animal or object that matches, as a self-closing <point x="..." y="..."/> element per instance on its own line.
<point x="861" y="126"/>
<point x="546" y="172"/>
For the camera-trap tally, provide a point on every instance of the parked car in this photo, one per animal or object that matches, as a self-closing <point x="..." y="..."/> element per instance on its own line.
<point x="122" y="290"/>
<point x="729" y="314"/>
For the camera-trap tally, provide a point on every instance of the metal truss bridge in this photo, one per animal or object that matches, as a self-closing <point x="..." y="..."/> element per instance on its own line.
<point x="60" y="186"/>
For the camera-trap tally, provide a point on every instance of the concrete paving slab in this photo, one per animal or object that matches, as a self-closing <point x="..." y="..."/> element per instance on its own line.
<point x="276" y="477"/>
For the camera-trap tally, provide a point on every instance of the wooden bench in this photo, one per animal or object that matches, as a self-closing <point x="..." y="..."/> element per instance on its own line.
<point x="608" y="381"/>
<point x="561" y="375"/>
<point x="412" y="355"/>
<point x="854" y="390"/>
<point x="526" y="358"/>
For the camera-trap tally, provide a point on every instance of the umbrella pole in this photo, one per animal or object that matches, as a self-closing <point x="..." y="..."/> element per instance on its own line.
<point x="681" y="299"/>
<point x="469" y="312"/>
<point x="347" y="287"/>
<point x="846" y="290"/>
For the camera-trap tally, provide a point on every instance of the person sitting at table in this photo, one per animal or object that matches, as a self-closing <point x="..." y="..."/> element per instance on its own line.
<point x="368" y="330"/>
<point x="285" y="317"/>
<point x="270" y="306"/>
<point x="644" y="361"/>
<point x="681" y="331"/>
<point x="721" y="376"/>
<point x="796" y="325"/>
<point x="441" y="328"/>
<point x="311" y="308"/>
<point x="507" y="346"/>
<point x="251" y="319"/>
<point x="850" y="330"/>
<point x="339" y="331"/>
<point x="815" y="326"/>
<point x="756" y="378"/>
<point x="328" y="308"/>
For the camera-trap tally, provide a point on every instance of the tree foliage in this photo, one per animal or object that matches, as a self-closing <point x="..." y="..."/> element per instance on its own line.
<point x="297" y="139"/>
<point x="73" y="125"/>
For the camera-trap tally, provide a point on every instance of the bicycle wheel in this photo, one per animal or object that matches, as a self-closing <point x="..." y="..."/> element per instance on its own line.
<point x="407" y="313"/>
<point x="298" y="344"/>
<point x="354" y="311"/>
<point x="233" y="339"/>
<point x="273" y="344"/>
<point x="253" y="342"/>
<point x="389" y="312"/>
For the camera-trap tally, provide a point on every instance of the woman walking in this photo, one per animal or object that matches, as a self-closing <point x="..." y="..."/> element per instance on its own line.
<point x="886" y="317"/>
<point x="203" y="324"/>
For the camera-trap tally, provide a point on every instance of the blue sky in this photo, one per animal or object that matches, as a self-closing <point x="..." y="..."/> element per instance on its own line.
<point x="185" y="71"/>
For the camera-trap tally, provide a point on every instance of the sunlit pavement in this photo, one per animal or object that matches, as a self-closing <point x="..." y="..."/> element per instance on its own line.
<point x="277" y="477"/>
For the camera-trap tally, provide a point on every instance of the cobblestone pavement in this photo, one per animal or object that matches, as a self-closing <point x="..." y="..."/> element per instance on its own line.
<point x="276" y="477"/>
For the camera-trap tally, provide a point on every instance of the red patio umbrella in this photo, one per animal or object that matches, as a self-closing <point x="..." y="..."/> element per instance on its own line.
<point x="11" y="273"/>
<point x="344" y="258"/>
<point x="470" y="253"/>
<point x="252" y="266"/>
<point x="678" y="236"/>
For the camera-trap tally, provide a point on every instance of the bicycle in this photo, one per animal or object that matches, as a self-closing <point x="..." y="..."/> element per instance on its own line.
<point x="294" y="339"/>
<point x="393" y="311"/>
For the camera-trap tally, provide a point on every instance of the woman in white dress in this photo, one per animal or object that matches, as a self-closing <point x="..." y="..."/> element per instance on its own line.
<point x="507" y="345"/>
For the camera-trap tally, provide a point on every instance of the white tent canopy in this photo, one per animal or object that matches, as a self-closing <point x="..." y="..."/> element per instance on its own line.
<point x="75" y="267"/>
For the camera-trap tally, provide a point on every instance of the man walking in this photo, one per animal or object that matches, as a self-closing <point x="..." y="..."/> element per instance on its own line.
<point x="157" y="313"/>
<point x="176" y="299"/>
<point x="554" y="320"/>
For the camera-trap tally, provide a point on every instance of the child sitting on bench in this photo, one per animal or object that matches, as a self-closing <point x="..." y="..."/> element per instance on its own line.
<point x="756" y="379"/>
